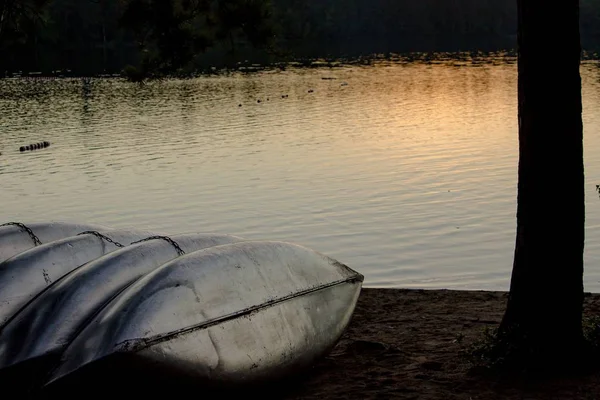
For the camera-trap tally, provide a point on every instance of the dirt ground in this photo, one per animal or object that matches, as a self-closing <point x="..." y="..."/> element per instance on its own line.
<point x="407" y="344"/>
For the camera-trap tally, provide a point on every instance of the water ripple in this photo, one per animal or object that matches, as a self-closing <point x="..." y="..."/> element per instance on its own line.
<point x="406" y="172"/>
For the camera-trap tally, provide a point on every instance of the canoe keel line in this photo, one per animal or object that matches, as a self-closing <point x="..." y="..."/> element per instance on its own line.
<point x="135" y="345"/>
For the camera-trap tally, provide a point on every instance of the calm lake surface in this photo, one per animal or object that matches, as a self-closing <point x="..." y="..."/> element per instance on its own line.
<point x="407" y="172"/>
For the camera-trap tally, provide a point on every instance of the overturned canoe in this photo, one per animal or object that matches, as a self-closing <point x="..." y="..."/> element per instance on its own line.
<point x="26" y="274"/>
<point x="231" y="314"/>
<point x="39" y="332"/>
<point x="16" y="237"/>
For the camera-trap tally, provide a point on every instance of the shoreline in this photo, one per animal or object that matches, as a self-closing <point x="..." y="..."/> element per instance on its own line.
<point x="407" y="344"/>
<point x="475" y="57"/>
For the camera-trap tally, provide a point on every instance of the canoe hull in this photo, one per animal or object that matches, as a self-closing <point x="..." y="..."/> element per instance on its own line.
<point x="160" y="367"/>
<point x="52" y="319"/>
<point x="14" y="240"/>
<point x="269" y="343"/>
<point x="28" y="273"/>
<point x="232" y="314"/>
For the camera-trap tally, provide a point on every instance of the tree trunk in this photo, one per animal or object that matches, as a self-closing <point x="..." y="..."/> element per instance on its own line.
<point x="36" y="50"/>
<point x="546" y="292"/>
<point x="103" y="45"/>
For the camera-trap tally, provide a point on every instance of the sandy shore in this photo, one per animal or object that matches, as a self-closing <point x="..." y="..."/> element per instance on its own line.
<point x="407" y="344"/>
<point x="401" y="344"/>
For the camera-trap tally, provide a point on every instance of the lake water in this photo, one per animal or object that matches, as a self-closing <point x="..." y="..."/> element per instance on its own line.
<point x="407" y="172"/>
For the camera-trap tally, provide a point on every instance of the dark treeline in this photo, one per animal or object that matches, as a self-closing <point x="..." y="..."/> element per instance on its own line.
<point x="90" y="36"/>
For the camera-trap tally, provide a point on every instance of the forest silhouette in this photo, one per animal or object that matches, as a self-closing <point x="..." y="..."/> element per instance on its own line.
<point x="90" y="37"/>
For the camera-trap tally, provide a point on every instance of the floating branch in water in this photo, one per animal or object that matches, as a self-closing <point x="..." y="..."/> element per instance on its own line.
<point x="35" y="146"/>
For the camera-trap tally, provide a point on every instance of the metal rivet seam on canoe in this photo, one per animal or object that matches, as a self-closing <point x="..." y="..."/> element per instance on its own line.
<point x="139" y="344"/>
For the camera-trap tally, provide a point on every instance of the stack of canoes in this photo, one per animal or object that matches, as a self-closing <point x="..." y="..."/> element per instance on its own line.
<point x="217" y="308"/>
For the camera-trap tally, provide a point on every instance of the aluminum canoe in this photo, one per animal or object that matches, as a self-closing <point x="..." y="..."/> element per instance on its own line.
<point x="51" y="320"/>
<point x="227" y="315"/>
<point x="26" y="274"/>
<point x="14" y="238"/>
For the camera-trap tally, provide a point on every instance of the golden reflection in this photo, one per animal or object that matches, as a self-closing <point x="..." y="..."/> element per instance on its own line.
<point x="376" y="165"/>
